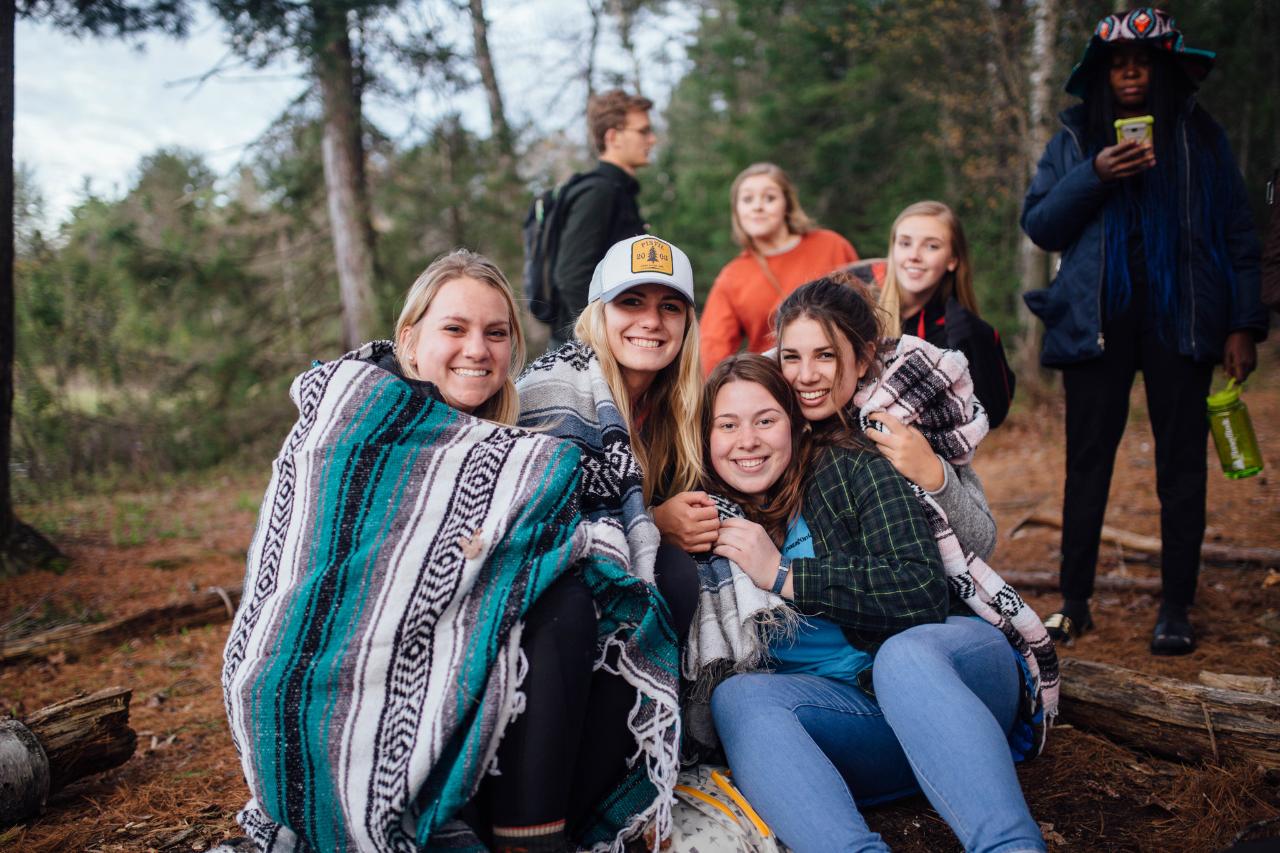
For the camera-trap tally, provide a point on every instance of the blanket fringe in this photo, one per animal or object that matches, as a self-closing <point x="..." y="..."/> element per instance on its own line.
<point x="658" y="740"/>
<point x="516" y="703"/>
<point x="778" y="625"/>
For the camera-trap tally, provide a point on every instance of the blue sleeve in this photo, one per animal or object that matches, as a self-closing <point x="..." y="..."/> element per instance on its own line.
<point x="1058" y="205"/>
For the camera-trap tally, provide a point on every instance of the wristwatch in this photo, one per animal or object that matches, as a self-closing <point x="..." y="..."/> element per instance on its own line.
<point x="784" y="569"/>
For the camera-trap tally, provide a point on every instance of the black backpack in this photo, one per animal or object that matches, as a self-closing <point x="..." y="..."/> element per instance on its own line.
<point x="542" y="226"/>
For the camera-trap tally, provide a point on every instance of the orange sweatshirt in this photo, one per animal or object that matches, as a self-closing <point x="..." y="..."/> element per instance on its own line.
<point x="742" y="301"/>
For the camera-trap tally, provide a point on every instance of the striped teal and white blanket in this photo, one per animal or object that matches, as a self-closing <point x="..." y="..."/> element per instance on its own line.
<point x="375" y="660"/>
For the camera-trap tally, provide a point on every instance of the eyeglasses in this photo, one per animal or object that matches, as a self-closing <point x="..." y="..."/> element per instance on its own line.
<point x="646" y="130"/>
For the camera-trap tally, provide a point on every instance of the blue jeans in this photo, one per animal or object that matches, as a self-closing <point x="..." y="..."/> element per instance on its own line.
<point x="806" y="751"/>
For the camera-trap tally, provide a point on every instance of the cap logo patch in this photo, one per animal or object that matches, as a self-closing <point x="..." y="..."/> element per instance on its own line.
<point x="651" y="255"/>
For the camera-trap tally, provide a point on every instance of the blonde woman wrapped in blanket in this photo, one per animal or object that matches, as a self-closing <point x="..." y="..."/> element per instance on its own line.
<point x="424" y="605"/>
<point x="626" y="392"/>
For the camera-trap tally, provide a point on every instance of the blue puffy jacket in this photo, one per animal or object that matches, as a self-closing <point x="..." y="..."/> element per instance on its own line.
<point x="1062" y="212"/>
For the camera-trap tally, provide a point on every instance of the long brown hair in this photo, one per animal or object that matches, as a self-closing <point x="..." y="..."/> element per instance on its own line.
<point x="777" y="506"/>
<point x="957" y="282"/>
<point x="841" y="305"/>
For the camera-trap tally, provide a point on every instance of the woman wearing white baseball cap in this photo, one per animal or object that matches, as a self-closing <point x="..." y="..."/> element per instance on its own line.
<point x="627" y="391"/>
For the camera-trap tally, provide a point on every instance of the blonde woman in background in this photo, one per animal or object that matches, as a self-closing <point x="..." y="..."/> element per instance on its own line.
<point x="928" y="287"/>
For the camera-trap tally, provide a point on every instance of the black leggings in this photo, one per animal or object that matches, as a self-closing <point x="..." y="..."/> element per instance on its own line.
<point x="570" y="747"/>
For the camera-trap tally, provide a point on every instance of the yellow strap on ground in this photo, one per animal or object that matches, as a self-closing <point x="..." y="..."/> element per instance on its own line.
<point x="707" y="798"/>
<point x="741" y="802"/>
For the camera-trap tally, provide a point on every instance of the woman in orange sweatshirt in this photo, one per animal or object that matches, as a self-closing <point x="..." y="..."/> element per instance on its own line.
<point x="782" y="248"/>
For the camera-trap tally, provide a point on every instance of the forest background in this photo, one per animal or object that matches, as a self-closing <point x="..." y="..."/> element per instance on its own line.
<point x="157" y="329"/>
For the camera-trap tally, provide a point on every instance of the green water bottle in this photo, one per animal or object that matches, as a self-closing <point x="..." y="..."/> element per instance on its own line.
<point x="1233" y="433"/>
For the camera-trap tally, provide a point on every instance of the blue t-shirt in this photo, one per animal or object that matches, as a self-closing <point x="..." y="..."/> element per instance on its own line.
<point x="819" y="647"/>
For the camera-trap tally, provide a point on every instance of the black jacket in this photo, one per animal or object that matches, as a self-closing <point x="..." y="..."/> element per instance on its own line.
<point x="1063" y="212"/>
<point x="953" y="326"/>
<point x="602" y="210"/>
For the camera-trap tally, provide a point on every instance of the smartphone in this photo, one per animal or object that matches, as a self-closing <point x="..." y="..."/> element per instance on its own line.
<point x="1136" y="129"/>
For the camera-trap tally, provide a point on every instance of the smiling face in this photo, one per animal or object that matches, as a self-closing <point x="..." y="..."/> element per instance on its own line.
<point x="644" y="327"/>
<point x="462" y="343"/>
<point x="750" y="441"/>
<point x="823" y="373"/>
<point x="761" y="208"/>
<point x="1130" y="75"/>
<point x="922" y="255"/>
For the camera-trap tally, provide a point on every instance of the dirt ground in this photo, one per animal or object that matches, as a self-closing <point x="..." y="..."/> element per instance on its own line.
<point x="181" y="789"/>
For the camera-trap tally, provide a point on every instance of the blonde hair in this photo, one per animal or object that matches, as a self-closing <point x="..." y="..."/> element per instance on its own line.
<point x="504" y="406"/>
<point x="672" y="457"/>
<point x="957" y="282"/>
<point x="798" y="222"/>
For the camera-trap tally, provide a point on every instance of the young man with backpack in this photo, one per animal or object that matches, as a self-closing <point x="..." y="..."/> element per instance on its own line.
<point x="569" y="229"/>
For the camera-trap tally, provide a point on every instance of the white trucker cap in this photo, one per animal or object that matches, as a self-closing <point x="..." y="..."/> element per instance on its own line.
<point x="641" y="260"/>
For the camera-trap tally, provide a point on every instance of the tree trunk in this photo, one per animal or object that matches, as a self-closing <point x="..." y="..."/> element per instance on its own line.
<point x="21" y="547"/>
<point x="595" y="10"/>
<point x="1210" y="552"/>
<point x="343" y="153"/>
<point x="59" y="744"/>
<point x="211" y="606"/>
<point x="84" y="735"/>
<point x="625" y="12"/>
<point x="450" y="138"/>
<point x="296" y="344"/>
<point x="1170" y="717"/>
<point x="1033" y="263"/>
<point x="7" y="20"/>
<point x="489" y="78"/>
<point x="1102" y="583"/>
<point x="1260" y="684"/>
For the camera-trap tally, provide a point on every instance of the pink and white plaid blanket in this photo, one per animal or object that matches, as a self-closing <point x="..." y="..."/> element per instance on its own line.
<point x="930" y="388"/>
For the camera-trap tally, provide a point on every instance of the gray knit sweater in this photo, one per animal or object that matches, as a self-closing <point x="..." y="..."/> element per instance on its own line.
<point x="965" y="503"/>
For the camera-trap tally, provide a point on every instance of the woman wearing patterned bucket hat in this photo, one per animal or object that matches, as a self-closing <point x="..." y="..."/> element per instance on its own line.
<point x="1159" y="273"/>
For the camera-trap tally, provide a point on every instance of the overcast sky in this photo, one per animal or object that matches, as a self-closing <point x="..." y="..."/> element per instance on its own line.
<point x="90" y="109"/>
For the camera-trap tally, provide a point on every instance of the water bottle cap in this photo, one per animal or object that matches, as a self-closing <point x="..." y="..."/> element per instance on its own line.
<point x="1226" y="397"/>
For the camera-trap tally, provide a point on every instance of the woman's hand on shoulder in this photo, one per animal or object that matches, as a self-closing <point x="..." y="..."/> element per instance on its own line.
<point x="688" y="520"/>
<point x="1123" y="160"/>
<point x="908" y="451"/>
<point x="749" y="545"/>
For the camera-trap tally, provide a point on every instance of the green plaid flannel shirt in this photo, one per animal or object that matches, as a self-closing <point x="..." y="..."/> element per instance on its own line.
<point x="877" y="570"/>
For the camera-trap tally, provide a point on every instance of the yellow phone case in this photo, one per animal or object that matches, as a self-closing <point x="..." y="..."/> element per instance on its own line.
<point x="1136" y="129"/>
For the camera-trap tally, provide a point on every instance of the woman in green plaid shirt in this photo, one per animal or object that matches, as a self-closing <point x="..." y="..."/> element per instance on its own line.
<point x="825" y="732"/>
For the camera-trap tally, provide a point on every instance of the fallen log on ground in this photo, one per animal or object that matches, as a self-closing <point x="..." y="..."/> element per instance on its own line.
<point x="1102" y="583"/>
<point x="1244" y="683"/>
<point x="59" y="744"/>
<point x="210" y="606"/>
<point x="1170" y="717"/>
<point x="1210" y="552"/>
